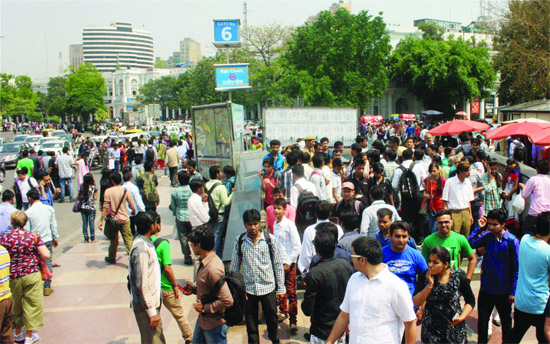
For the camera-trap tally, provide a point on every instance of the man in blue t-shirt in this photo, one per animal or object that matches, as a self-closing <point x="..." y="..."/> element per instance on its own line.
<point x="402" y="260"/>
<point x="532" y="288"/>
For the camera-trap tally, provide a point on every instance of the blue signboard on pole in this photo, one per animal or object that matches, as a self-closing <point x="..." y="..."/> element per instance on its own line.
<point x="231" y="76"/>
<point x="226" y="32"/>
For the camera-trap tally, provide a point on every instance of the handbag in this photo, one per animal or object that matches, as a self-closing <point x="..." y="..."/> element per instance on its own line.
<point x="77" y="207"/>
<point x="44" y="271"/>
<point x="111" y="228"/>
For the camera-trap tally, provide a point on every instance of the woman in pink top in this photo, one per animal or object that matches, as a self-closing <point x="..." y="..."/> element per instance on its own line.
<point x="82" y="167"/>
<point x="433" y="190"/>
<point x="268" y="181"/>
<point x="290" y="213"/>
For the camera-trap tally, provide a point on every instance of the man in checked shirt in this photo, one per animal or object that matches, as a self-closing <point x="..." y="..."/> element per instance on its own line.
<point x="263" y="277"/>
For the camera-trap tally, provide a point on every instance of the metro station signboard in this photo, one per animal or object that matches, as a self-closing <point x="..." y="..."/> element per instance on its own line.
<point x="226" y="33"/>
<point x="232" y="76"/>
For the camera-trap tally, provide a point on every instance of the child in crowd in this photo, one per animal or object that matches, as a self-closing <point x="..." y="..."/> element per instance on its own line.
<point x="269" y="182"/>
<point x="290" y="212"/>
<point x="289" y="242"/>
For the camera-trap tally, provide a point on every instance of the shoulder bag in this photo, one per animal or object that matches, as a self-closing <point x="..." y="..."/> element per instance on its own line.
<point x="111" y="228"/>
<point x="44" y="271"/>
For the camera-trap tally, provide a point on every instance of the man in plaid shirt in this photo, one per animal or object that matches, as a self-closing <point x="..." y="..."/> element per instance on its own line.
<point x="178" y="205"/>
<point x="263" y="277"/>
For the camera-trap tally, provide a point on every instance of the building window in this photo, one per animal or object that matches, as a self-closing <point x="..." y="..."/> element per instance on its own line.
<point x="134" y="86"/>
<point x="120" y="87"/>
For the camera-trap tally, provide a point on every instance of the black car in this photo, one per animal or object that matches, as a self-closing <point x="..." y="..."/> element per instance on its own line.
<point x="10" y="153"/>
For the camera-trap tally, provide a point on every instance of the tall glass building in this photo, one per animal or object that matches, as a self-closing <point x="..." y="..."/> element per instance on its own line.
<point x="117" y="45"/>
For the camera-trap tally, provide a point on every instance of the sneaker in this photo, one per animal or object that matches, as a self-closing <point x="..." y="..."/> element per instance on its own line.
<point x="20" y="337"/>
<point x="188" y="261"/>
<point x="48" y="291"/>
<point x="110" y="260"/>
<point x="282" y="316"/>
<point x="293" y="328"/>
<point x="34" y="338"/>
<point x="496" y="322"/>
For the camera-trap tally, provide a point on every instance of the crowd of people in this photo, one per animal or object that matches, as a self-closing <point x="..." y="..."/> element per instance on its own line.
<point x="376" y="240"/>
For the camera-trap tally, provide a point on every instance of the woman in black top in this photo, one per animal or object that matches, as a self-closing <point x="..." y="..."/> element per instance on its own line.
<point x="438" y="293"/>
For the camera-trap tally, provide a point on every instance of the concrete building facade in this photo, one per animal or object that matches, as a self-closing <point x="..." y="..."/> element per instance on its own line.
<point x="117" y="46"/>
<point x="76" y="58"/>
<point x="190" y="51"/>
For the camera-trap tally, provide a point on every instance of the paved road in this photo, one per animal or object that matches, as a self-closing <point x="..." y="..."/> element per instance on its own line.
<point x="69" y="224"/>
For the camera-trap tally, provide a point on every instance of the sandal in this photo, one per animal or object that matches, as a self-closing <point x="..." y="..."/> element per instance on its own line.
<point x="282" y="316"/>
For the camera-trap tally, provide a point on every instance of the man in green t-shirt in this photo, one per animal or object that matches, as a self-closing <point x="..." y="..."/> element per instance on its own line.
<point x="456" y="243"/>
<point x="25" y="162"/>
<point x="171" y="297"/>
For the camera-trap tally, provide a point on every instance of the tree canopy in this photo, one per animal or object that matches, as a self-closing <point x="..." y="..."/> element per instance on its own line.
<point x="523" y="45"/>
<point x="85" y="89"/>
<point x="339" y="59"/>
<point x="16" y="95"/>
<point x="442" y="74"/>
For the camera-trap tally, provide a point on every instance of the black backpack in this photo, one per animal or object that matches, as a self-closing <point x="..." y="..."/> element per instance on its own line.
<point x="307" y="203"/>
<point x="150" y="155"/>
<point x="213" y="212"/>
<point x="408" y="186"/>
<point x="519" y="152"/>
<point x="235" y="282"/>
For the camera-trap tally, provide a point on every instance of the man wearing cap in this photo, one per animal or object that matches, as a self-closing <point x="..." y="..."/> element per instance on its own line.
<point x="310" y="145"/>
<point x="348" y="203"/>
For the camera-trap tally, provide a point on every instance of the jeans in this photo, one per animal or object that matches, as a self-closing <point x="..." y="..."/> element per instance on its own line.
<point x="432" y="221"/>
<point x="88" y="219"/>
<point x="117" y="165"/>
<point x="486" y="303"/>
<point x="184" y="229"/>
<point x="49" y="245"/>
<point x="62" y="182"/>
<point x="218" y="229"/>
<point x="269" y="306"/>
<point x="217" y="335"/>
<point x="173" y="175"/>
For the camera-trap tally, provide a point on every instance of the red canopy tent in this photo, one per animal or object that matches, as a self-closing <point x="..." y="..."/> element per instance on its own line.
<point x="457" y="126"/>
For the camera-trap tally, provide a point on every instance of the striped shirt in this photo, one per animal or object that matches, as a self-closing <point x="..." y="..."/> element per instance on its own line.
<point x="257" y="266"/>
<point x="4" y="274"/>
<point x="286" y="179"/>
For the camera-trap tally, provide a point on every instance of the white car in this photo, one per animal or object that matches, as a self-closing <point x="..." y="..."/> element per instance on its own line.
<point x="57" y="147"/>
<point x="33" y="141"/>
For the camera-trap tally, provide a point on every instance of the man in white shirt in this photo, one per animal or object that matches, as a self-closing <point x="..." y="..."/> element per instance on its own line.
<point x="182" y="150"/>
<point x="308" y="249"/>
<point x="136" y="196"/>
<point x="289" y="246"/>
<point x="457" y="195"/>
<point x="335" y="185"/>
<point x="64" y="165"/>
<point x="197" y="204"/>
<point x="369" y="219"/>
<point x="377" y="306"/>
<point x="42" y="222"/>
<point x="23" y="183"/>
<point x="317" y="178"/>
<point x="300" y="183"/>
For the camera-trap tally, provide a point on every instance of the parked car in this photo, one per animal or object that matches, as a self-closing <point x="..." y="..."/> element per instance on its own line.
<point x="33" y="140"/>
<point x="10" y="153"/>
<point x="57" y="147"/>
<point x="59" y="133"/>
<point x="19" y="138"/>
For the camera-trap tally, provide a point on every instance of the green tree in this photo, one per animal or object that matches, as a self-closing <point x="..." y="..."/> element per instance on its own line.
<point x="85" y="89"/>
<point x="523" y="45"/>
<point x="161" y="91"/>
<point x="35" y="117"/>
<point x="17" y="97"/>
<point x="55" y="119"/>
<point x="431" y="31"/>
<point x="347" y="52"/>
<point x="101" y="114"/>
<point x="442" y="74"/>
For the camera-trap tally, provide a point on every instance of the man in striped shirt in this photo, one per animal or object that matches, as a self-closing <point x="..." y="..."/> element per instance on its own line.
<point x="286" y="178"/>
<point x="6" y="303"/>
<point x="263" y="275"/>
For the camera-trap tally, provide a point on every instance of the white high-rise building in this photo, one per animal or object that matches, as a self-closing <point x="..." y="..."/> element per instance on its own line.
<point x="117" y="46"/>
<point x="75" y="55"/>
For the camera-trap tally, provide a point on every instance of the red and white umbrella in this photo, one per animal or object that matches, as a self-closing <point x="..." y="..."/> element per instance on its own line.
<point x="516" y="129"/>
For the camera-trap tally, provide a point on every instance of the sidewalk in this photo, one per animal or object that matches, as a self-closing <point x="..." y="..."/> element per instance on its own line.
<point x="91" y="303"/>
